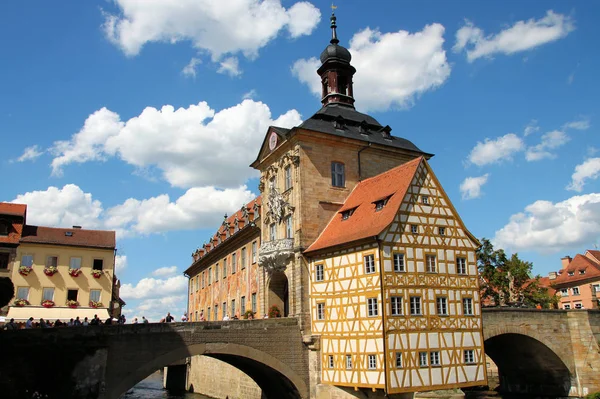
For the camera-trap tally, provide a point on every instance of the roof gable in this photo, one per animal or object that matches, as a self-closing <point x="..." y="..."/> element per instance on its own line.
<point x="581" y="268"/>
<point x="365" y="220"/>
<point x="282" y="135"/>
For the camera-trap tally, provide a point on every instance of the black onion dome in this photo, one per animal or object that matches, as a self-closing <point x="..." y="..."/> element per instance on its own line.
<point x="335" y="51"/>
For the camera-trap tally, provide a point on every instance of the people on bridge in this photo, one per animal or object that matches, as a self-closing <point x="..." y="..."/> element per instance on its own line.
<point x="169" y="318"/>
<point x="144" y="320"/>
<point x="86" y="322"/>
<point x="43" y="323"/>
<point x="226" y="317"/>
<point x="29" y="323"/>
<point x="201" y="318"/>
<point x="184" y="318"/>
<point x="135" y="320"/>
<point x="11" y="325"/>
<point x="77" y="322"/>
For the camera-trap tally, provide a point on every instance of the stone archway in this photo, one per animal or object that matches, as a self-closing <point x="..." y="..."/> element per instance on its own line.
<point x="278" y="293"/>
<point x="528" y="366"/>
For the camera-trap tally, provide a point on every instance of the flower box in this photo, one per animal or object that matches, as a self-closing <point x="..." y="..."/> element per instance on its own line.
<point x="97" y="273"/>
<point x="95" y="304"/>
<point x="25" y="270"/>
<point x="72" y="304"/>
<point x="50" y="270"/>
<point x="74" y="272"/>
<point x="274" y="311"/>
<point x="21" y="302"/>
<point x="48" y="303"/>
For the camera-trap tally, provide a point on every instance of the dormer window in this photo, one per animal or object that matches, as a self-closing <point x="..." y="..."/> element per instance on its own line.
<point x="338" y="123"/>
<point x="571" y="273"/>
<point x="4" y="228"/>
<point x="363" y="128"/>
<point x="347" y="213"/>
<point x="582" y="272"/>
<point x="380" y="203"/>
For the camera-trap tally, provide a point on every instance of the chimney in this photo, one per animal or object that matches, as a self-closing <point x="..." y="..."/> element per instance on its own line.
<point x="566" y="261"/>
<point x="552" y="275"/>
<point x="77" y="227"/>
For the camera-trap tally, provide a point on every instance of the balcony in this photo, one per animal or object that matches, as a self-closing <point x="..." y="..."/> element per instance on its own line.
<point x="273" y="255"/>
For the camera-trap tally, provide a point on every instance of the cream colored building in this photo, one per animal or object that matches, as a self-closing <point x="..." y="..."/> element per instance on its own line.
<point x="63" y="273"/>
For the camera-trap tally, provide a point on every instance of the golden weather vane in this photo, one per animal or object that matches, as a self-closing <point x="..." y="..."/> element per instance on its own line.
<point x="333" y="7"/>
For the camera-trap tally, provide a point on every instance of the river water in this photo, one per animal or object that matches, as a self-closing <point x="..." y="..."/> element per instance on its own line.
<point x="152" y="388"/>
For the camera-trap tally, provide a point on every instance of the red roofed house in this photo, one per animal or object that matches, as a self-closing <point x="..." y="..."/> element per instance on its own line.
<point x="359" y="242"/>
<point x="58" y="273"/>
<point x="578" y="282"/>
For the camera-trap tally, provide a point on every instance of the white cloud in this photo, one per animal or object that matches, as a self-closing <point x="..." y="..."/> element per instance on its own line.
<point x="154" y="288"/>
<point x="199" y="207"/>
<point x="589" y="170"/>
<point x="230" y="66"/>
<point x="412" y="63"/>
<point x="156" y="309"/>
<point x="250" y="95"/>
<point x="30" y="153"/>
<point x="579" y="124"/>
<point x="217" y="27"/>
<point x="190" y="69"/>
<point x="120" y="263"/>
<point x="61" y="207"/>
<point x="194" y="146"/>
<point x="522" y="36"/>
<point x="471" y="187"/>
<point x="550" y="141"/>
<point x="492" y="151"/>
<point x="531" y="128"/>
<point x="165" y="271"/>
<point x="549" y="227"/>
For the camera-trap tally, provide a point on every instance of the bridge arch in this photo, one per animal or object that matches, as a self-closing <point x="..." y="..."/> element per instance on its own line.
<point x="275" y="378"/>
<point x="529" y="363"/>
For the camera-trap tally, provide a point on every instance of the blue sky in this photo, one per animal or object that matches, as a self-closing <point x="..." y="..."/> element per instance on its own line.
<point x="143" y="117"/>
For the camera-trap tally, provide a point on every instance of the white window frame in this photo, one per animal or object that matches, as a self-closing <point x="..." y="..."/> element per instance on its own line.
<point x="330" y="360"/>
<point x="348" y="362"/>
<point x="467" y="306"/>
<point x="423" y="359"/>
<point x="288" y="177"/>
<point x="399" y="262"/>
<point x="372" y="362"/>
<point x="575" y="290"/>
<point x="254" y="251"/>
<point x="338" y="174"/>
<point x="369" y="262"/>
<point x="319" y="272"/>
<point x="289" y="231"/>
<point x="272" y="232"/>
<point x="469" y="356"/>
<point x="442" y="231"/>
<point x="396" y="306"/>
<point x="425" y="199"/>
<point x="321" y="311"/>
<point x="414" y="229"/>
<point x="430" y="263"/>
<point x="578" y="305"/>
<point x="416" y="306"/>
<point x="461" y="265"/>
<point x="398" y="360"/>
<point x="99" y="296"/>
<point x="48" y="263"/>
<point x="73" y="265"/>
<point x="434" y="358"/>
<point x="567" y="306"/>
<point x="441" y="304"/>
<point x="372" y="307"/>
<point x="25" y="263"/>
<point x="20" y="291"/>
<point x="47" y="297"/>
<point x="564" y="292"/>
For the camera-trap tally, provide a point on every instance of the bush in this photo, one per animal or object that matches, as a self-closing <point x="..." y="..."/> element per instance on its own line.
<point x="274" y="311"/>
<point x="247" y="314"/>
<point x="7" y="291"/>
<point x="595" y="395"/>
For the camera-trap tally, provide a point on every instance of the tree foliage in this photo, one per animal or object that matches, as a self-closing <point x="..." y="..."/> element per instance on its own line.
<point x="508" y="281"/>
<point x="7" y="291"/>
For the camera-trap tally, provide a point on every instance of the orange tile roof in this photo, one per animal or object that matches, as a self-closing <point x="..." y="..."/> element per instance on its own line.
<point x="545" y="282"/>
<point x="365" y="221"/>
<point x="13" y="214"/>
<point x="594" y="253"/>
<point x="7" y="208"/>
<point x="579" y="263"/>
<point x="78" y="237"/>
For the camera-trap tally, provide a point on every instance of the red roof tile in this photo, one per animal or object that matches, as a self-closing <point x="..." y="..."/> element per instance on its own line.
<point x="365" y="221"/>
<point x="13" y="215"/>
<point x="7" y="208"/>
<point x="579" y="263"/>
<point x="73" y="237"/>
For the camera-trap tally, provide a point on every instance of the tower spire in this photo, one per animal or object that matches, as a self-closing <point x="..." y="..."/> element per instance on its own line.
<point x="334" y="39"/>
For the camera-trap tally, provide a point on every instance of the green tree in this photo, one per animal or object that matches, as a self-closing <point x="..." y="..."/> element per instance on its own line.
<point x="7" y="291"/>
<point x="509" y="281"/>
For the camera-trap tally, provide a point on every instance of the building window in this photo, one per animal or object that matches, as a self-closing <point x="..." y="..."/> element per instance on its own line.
<point x="203" y="279"/>
<point x="244" y="258"/>
<point x="272" y="183"/>
<point x="564" y="292"/>
<point x="349" y="362"/>
<point x="595" y="288"/>
<point x="232" y="307"/>
<point x="422" y="359"/>
<point x="575" y="290"/>
<point x="224" y="310"/>
<point x="27" y="260"/>
<point x="52" y="261"/>
<point x="216" y="317"/>
<point x="208" y="314"/>
<point x="320" y="311"/>
<point x="425" y="199"/>
<point x="272" y="232"/>
<point x="434" y="358"/>
<point x="347" y="213"/>
<point x="567" y="306"/>
<point x="288" y="227"/>
<point x="95" y="295"/>
<point x="48" y="294"/>
<point x="254" y="303"/>
<point x="461" y="265"/>
<point x="414" y="229"/>
<point x="209" y="276"/>
<point x="338" y="178"/>
<point x="415" y="306"/>
<point x="578" y="305"/>
<point x="469" y="356"/>
<point x="380" y="204"/>
<point x="72" y="295"/>
<point x="369" y="264"/>
<point x="582" y="272"/>
<point x="319" y="272"/>
<point x="399" y="263"/>
<point x="571" y="273"/>
<point x="398" y="360"/>
<point x="468" y="306"/>
<point x="442" y="305"/>
<point x="98" y="264"/>
<point x="23" y="293"/>
<point x="233" y="262"/>
<point x="198" y="282"/>
<point x="254" y="252"/>
<point x="330" y="361"/>
<point x="372" y="362"/>
<point x="216" y="272"/>
<point x="224" y="267"/>
<point x="442" y="231"/>
<point x="4" y="228"/>
<point x="396" y="305"/>
<point x="242" y="305"/>
<point x="75" y="263"/>
<point x="288" y="177"/>
<point x="372" y="307"/>
<point x="430" y="266"/>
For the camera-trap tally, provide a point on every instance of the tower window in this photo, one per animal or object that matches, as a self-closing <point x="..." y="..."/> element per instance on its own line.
<point x="342" y="82"/>
<point x="338" y="178"/>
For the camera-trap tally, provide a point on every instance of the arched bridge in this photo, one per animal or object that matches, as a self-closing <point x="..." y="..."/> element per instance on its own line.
<point x="551" y="353"/>
<point x="105" y="361"/>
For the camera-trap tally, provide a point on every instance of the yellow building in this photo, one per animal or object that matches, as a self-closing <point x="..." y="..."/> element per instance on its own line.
<point x="62" y="273"/>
